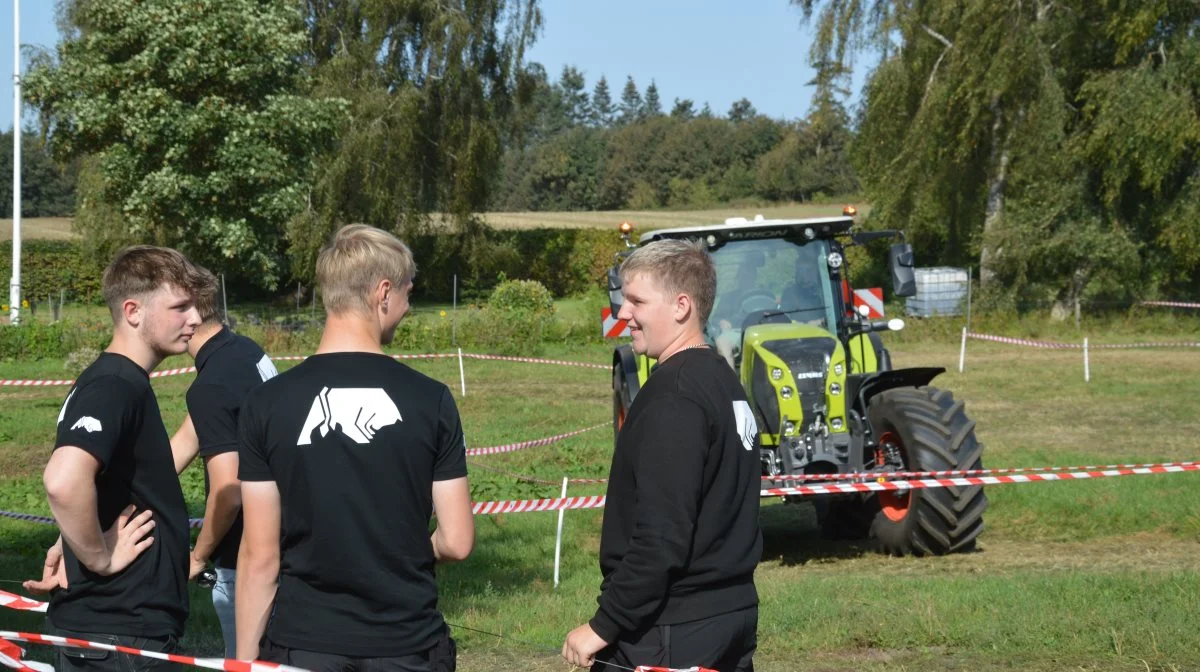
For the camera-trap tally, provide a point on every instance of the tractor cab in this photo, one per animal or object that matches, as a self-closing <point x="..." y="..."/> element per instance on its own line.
<point x="819" y="379"/>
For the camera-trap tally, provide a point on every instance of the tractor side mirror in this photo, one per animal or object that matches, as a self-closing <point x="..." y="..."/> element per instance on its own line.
<point x="615" y="297"/>
<point x="900" y="259"/>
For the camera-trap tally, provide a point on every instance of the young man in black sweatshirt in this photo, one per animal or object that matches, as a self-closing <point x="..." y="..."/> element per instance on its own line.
<point x="680" y="539"/>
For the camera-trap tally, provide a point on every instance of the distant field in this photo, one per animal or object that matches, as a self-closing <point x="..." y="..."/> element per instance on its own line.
<point x="39" y="228"/>
<point x="59" y="228"/>
<point x="657" y="219"/>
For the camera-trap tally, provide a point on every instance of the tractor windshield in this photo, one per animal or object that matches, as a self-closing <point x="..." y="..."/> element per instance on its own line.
<point x="771" y="275"/>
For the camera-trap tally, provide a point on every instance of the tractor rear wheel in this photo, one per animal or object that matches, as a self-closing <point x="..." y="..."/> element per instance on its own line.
<point x="932" y="432"/>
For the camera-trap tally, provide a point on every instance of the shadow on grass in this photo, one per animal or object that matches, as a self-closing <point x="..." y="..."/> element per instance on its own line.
<point x="792" y="536"/>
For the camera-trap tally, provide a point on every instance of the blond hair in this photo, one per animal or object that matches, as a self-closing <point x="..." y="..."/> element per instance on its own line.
<point x="355" y="261"/>
<point x="680" y="267"/>
<point x="142" y="269"/>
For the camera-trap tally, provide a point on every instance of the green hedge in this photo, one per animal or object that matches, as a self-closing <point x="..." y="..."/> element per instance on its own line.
<point x="52" y="266"/>
<point x="37" y="340"/>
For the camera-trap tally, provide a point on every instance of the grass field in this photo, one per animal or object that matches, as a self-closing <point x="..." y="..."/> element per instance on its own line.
<point x="39" y="228"/>
<point x="1091" y="575"/>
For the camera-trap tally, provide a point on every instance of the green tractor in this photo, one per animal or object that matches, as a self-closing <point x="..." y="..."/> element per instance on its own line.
<point x="821" y="382"/>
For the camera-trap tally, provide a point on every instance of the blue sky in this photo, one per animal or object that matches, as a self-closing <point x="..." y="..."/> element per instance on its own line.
<point x="708" y="50"/>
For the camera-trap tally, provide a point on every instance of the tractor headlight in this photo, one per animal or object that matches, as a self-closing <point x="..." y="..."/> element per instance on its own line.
<point x="789" y="427"/>
<point x="835" y="389"/>
<point x="785" y="392"/>
<point x="837" y="369"/>
<point x="835" y="260"/>
<point x="776" y="373"/>
<point x="836" y="423"/>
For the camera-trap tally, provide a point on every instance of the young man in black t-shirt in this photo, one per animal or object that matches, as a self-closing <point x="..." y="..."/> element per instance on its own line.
<point x="111" y="479"/>
<point x="343" y="459"/>
<point x="680" y="539"/>
<point x="228" y="366"/>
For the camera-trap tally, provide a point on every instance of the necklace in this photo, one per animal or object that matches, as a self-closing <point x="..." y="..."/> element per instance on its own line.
<point x="698" y="345"/>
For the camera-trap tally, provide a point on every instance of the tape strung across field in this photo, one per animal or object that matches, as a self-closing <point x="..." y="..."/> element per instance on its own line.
<point x="513" y="447"/>
<point x="210" y="663"/>
<point x="1052" y="345"/>
<point x="1171" y="304"/>
<point x="298" y="358"/>
<point x="917" y="484"/>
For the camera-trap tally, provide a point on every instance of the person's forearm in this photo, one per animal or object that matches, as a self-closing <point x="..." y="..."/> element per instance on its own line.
<point x="222" y="508"/>
<point x="185" y="445"/>
<point x="74" y="509"/>
<point x="256" y="586"/>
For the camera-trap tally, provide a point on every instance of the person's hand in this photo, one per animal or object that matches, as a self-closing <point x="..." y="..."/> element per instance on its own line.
<point x="582" y="645"/>
<point x="54" y="572"/>
<point x="128" y="538"/>
<point x="195" y="566"/>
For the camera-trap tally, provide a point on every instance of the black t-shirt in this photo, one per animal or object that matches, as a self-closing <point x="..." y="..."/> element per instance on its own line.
<point x="228" y="366"/>
<point x="112" y="414"/>
<point x="354" y="441"/>
<point x="680" y="538"/>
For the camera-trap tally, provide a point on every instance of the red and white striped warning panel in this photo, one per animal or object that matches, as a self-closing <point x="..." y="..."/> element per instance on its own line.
<point x="20" y="603"/>
<point x="872" y="298"/>
<point x="612" y="327"/>
<point x="210" y="663"/>
<point x="917" y="484"/>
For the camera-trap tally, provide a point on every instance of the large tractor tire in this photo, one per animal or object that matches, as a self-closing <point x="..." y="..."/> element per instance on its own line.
<point x="621" y="402"/>
<point x="933" y="433"/>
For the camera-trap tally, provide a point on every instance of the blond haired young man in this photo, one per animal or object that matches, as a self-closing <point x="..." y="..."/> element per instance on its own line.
<point x="680" y="539"/>
<point x="342" y="461"/>
<point x="119" y="572"/>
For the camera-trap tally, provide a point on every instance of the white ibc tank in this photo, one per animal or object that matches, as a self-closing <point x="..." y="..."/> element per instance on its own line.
<point x="941" y="290"/>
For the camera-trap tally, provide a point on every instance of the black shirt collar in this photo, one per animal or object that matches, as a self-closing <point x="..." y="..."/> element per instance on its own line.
<point x="216" y="342"/>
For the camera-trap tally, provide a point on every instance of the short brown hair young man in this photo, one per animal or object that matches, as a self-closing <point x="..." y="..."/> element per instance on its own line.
<point x="228" y="367"/>
<point x="680" y="539"/>
<point x="343" y="459"/>
<point x="123" y="577"/>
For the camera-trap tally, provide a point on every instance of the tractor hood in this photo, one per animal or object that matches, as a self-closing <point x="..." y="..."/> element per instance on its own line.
<point x="791" y="355"/>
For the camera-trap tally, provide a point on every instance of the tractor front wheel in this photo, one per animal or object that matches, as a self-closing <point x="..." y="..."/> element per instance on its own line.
<point x="931" y="432"/>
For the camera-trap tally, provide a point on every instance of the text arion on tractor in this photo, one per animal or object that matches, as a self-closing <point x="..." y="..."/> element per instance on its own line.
<point x="821" y="382"/>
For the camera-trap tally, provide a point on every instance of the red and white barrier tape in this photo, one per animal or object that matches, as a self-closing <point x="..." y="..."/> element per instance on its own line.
<point x="11" y="655"/>
<point x="652" y="668"/>
<point x="1051" y="345"/>
<point x="1171" y="304"/>
<point x="917" y="484"/>
<point x="210" y="663"/>
<point x="512" y="447"/>
<point x="527" y="505"/>
<point x="298" y="358"/>
<point x="20" y="603"/>
<point x="535" y="360"/>
<point x="964" y="472"/>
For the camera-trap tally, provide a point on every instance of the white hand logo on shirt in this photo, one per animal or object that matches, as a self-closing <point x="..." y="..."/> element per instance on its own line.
<point x="357" y="412"/>
<point x="747" y="426"/>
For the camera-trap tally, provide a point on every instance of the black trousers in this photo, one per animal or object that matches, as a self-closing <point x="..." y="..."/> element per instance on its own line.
<point x="441" y="658"/>
<point x="725" y="643"/>
<point x="96" y="660"/>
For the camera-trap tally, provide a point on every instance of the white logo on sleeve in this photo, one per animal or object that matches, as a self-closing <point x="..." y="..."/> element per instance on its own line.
<point x="747" y="426"/>
<point x="266" y="369"/>
<point x="88" y="423"/>
<point x="62" y="412"/>
<point x="357" y="412"/>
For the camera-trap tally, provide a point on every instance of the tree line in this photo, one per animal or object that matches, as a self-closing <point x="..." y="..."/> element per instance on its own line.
<point x="577" y="151"/>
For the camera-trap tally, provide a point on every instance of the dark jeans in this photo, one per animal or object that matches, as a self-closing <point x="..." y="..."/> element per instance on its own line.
<point x="441" y="658"/>
<point x="95" y="660"/>
<point x="725" y="643"/>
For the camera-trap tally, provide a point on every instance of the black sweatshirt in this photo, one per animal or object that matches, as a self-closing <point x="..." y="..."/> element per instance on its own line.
<point x="680" y="539"/>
